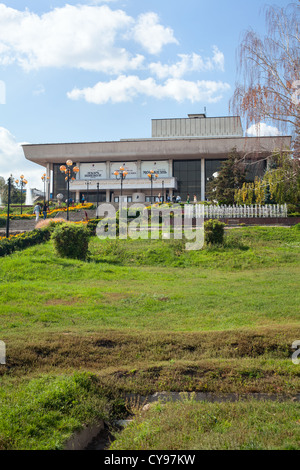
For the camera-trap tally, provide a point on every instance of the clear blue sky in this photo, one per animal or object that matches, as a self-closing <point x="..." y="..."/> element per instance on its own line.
<point x="101" y="70"/>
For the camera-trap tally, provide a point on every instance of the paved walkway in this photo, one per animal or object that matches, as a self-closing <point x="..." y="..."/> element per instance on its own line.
<point x="18" y="226"/>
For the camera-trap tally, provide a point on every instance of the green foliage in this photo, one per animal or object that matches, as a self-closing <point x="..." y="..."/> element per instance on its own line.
<point x="42" y="413"/>
<point x="71" y="241"/>
<point x="248" y="425"/>
<point x="92" y="226"/>
<point x="230" y="178"/>
<point x="15" y="193"/>
<point x="24" y="240"/>
<point x="214" y="232"/>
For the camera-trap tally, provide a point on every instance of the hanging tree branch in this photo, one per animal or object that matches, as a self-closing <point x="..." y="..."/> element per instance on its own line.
<point x="269" y="72"/>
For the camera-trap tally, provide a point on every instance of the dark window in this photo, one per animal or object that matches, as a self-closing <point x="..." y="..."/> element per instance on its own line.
<point x="59" y="183"/>
<point x="188" y="174"/>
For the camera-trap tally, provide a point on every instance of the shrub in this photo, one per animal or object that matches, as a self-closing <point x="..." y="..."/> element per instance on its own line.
<point x="23" y="240"/>
<point x="71" y="240"/>
<point x="213" y="232"/>
<point x="92" y="226"/>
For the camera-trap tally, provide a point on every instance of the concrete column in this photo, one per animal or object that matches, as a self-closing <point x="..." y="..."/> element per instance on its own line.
<point x="203" y="179"/>
<point x="107" y="170"/>
<point x="170" y="168"/>
<point x="138" y="169"/>
<point x="107" y="195"/>
<point x="77" y="196"/>
<point x="48" y="184"/>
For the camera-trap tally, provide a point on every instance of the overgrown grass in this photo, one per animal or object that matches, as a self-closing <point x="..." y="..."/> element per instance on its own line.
<point x="147" y="316"/>
<point x="43" y="413"/>
<point x="190" y="425"/>
<point x="244" y="248"/>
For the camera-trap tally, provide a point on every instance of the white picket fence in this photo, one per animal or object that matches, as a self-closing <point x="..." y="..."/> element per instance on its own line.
<point x="228" y="212"/>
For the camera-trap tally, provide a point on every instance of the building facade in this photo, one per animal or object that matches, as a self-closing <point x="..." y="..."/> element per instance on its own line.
<point x="184" y="153"/>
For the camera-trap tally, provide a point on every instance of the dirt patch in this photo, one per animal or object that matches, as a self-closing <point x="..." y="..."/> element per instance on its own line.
<point x="71" y="300"/>
<point x="112" y="297"/>
<point x="105" y="343"/>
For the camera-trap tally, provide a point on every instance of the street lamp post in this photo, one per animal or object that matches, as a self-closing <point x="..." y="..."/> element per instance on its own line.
<point x="97" y="195"/>
<point x="70" y="171"/>
<point x="121" y="175"/>
<point x="152" y="176"/>
<point x="87" y="190"/>
<point x="21" y="183"/>
<point x="8" y="206"/>
<point x="162" y="192"/>
<point x="45" y="179"/>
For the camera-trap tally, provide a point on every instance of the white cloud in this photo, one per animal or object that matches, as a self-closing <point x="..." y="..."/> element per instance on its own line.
<point x="80" y="36"/>
<point x="151" y="34"/>
<point x="12" y="161"/>
<point x="40" y="90"/>
<point x="125" y="88"/>
<point x="262" y="130"/>
<point x="189" y="63"/>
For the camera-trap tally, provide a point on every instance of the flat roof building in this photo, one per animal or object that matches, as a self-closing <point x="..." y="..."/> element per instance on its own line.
<point x="185" y="153"/>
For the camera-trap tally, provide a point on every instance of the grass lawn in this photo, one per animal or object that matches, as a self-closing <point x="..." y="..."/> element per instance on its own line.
<point x="145" y="316"/>
<point x="189" y="425"/>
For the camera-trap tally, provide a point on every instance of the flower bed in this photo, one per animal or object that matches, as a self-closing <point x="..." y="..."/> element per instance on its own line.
<point x="23" y="240"/>
<point x="50" y="214"/>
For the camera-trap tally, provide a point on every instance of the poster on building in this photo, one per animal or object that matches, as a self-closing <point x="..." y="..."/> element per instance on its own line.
<point x="161" y="168"/>
<point x="92" y="171"/>
<point x="130" y="167"/>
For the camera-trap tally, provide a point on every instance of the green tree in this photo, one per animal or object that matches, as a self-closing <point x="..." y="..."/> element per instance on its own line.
<point x="282" y="179"/>
<point x="231" y="177"/>
<point x="15" y="193"/>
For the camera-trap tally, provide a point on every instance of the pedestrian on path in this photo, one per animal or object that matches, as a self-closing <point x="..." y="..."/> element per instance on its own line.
<point x="45" y="209"/>
<point x="36" y="211"/>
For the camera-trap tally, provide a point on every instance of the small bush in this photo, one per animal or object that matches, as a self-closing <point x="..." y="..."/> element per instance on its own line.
<point x="71" y="241"/>
<point x="214" y="232"/>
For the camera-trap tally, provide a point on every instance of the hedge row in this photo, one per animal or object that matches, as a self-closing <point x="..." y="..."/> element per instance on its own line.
<point x="24" y="240"/>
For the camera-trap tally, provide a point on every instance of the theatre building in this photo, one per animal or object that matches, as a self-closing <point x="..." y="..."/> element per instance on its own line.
<point x="184" y="153"/>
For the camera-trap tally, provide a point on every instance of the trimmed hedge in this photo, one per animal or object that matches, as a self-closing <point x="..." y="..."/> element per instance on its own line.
<point x="71" y="241"/>
<point x="24" y="240"/>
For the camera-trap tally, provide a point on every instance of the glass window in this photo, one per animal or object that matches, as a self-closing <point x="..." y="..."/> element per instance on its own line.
<point x="188" y="174"/>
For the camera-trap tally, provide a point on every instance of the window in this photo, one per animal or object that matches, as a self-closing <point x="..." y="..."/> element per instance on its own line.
<point x="188" y="174"/>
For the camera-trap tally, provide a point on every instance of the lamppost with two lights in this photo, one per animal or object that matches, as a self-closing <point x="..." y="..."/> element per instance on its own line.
<point x="21" y="183"/>
<point x="121" y="175"/>
<point x="70" y="171"/>
<point x="45" y="179"/>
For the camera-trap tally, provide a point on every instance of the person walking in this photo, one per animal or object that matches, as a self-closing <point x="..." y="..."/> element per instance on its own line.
<point x="195" y="198"/>
<point x="188" y="199"/>
<point x="36" y="211"/>
<point x="82" y="199"/>
<point x="45" y="209"/>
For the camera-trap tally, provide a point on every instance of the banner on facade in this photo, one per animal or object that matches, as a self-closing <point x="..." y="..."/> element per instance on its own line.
<point x="92" y="171"/>
<point x="161" y="168"/>
<point x="130" y="167"/>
